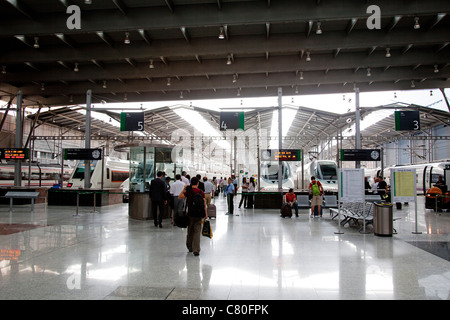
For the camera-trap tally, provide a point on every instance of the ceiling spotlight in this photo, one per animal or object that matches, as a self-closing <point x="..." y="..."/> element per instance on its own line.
<point x="388" y="53"/>
<point x="416" y="23"/>
<point x="431" y="93"/>
<point x="234" y="78"/>
<point x="296" y="90"/>
<point x="413" y="85"/>
<point x="221" y="33"/>
<point x="168" y="82"/>
<point x="71" y="99"/>
<point x="238" y="94"/>
<point x="42" y="86"/>
<point x="87" y="1"/>
<point x="127" y="38"/>
<point x="151" y="66"/>
<point x="301" y="75"/>
<point x="319" y="30"/>
<point x="395" y="95"/>
<point x="368" y="72"/>
<point x="308" y="58"/>
<point x="76" y="69"/>
<point x="36" y="43"/>
<point x="3" y="69"/>
<point x="104" y="84"/>
<point x="229" y="60"/>
<point x="436" y="70"/>
<point x="181" y="95"/>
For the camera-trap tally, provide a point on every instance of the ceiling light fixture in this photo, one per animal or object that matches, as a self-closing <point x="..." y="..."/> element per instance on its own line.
<point x="168" y="82"/>
<point x="104" y="84"/>
<point x="221" y="34"/>
<point x="234" y="78"/>
<point x="308" y="58"/>
<point x="416" y="23"/>
<point x="71" y="99"/>
<point x="151" y="66"/>
<point x="3" y="69"/>
<point x="36" y="43"/>
<point x="229" y="60"/>
<point x="181" y="95"/>
<point x="436" y="70"/>
<point x="125" y="97"/>
<point x="42" y="86"/>
<point x="301" y="75"/>
<point x="318" y="30"/>
<point x="127" y="38"/>
<point x="76" y="69"/>
<point x="368" y="72"/>
<point x="87" y="1"/>
<point x="388" y="53"/>
<point x="431" y="93"/>
<point x="413" y="85"/>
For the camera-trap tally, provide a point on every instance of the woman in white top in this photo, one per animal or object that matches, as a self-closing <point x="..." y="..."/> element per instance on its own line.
<point x="251" y="189"/>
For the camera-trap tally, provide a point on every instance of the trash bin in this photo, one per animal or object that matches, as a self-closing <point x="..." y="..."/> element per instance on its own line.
<point x="383" y="219"/>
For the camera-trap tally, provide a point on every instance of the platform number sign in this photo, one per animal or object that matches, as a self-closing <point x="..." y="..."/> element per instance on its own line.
<point x="231" y="121"/>
<point x="132" y="121"/>
<point x="407" y="120"/>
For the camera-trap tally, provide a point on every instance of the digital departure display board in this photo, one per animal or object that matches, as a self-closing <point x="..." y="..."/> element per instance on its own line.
<point x="281" y="155"/>
<point x="407" y="120"/>
<point x="82" y="154"/>
<point x="360" y="155"/>
<point x="13" y="153"/>
<point x="132" y="121"/>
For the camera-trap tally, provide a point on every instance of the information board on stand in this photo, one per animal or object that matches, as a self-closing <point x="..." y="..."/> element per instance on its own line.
<point x="351" y="185"/>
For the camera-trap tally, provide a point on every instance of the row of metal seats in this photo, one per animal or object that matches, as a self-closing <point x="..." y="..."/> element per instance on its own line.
<point x="355" y="211"/>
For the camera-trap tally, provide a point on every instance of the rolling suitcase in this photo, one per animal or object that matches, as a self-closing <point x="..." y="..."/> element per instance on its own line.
<point x="211" y="211"/>
<point x="286" y="211"/>
<point x="316" y="211"/>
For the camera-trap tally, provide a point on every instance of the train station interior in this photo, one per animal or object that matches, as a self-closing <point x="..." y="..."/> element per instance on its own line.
<point x="272" y="91"/>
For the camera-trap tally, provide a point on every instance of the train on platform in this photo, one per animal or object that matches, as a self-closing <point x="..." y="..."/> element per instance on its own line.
<point x="36" y="175"/>
<point x="269" y="176"/>
<point x="115" y="172"/>
<point x="427" y="174"/>
<point x="325" y="171"/>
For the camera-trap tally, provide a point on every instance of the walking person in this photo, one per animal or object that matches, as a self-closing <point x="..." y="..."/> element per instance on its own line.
<point x="315" y="187"/>
<point x="209" y="190"/>
<point x="158" y="197"/>
<point x="175" y="189"/>
<point x="196" y="212"/>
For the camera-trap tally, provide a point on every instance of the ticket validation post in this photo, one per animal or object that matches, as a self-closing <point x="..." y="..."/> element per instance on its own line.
<point x="403" y="185"/>
<point x="350" y="189"/>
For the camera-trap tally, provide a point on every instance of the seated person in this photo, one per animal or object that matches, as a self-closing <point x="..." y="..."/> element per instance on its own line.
<point x="291" y="199"/>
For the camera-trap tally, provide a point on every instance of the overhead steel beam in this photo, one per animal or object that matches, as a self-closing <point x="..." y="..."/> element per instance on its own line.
<point x="245" y="45"/>
<point x="244" y="12"/>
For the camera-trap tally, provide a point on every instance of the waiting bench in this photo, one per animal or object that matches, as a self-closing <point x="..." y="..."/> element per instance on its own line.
<point x="21" y="195"/>
<point x="355" y="211"/>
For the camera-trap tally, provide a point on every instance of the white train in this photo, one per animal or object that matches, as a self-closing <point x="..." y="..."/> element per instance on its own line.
<point x="115" y="172"/>
<point x="427" y="174"/>
<point x="324" y="171"/>
<point x="43" y="175"/>
<point x="269" y="176"/>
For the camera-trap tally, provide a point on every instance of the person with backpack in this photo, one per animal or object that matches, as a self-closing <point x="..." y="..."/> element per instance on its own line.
<point x="315" y="187"/>
<point x="196" y="212"/>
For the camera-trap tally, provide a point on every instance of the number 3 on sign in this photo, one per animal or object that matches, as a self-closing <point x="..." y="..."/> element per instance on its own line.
<point x="223" y="125"/>
<point x="416" y="125"/>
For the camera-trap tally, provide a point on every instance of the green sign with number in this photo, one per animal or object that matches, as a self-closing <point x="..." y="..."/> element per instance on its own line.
<point x="132" y="121"/>
<point x="231" y="120"/>
<point x="407" y="120"/>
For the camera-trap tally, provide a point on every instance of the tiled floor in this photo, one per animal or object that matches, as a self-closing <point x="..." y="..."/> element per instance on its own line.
<point x="254" y="254"/>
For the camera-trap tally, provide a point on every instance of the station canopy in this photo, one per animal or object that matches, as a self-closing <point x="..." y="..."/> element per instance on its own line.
<point x="183" y="50"/>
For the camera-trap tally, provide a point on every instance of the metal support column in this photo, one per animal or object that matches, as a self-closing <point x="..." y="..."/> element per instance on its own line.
<point x="357" y="125"/>
<point x="19" y="141"/>
<point x="87" y="140"/>
<point x="280" y="140"/>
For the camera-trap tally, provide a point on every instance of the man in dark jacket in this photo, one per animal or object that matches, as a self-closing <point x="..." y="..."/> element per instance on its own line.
<point x="158" y="197"/>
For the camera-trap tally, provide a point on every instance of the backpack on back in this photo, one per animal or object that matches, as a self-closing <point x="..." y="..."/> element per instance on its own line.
<point x="315" y="189"/>
<point x="197" y="207"/>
